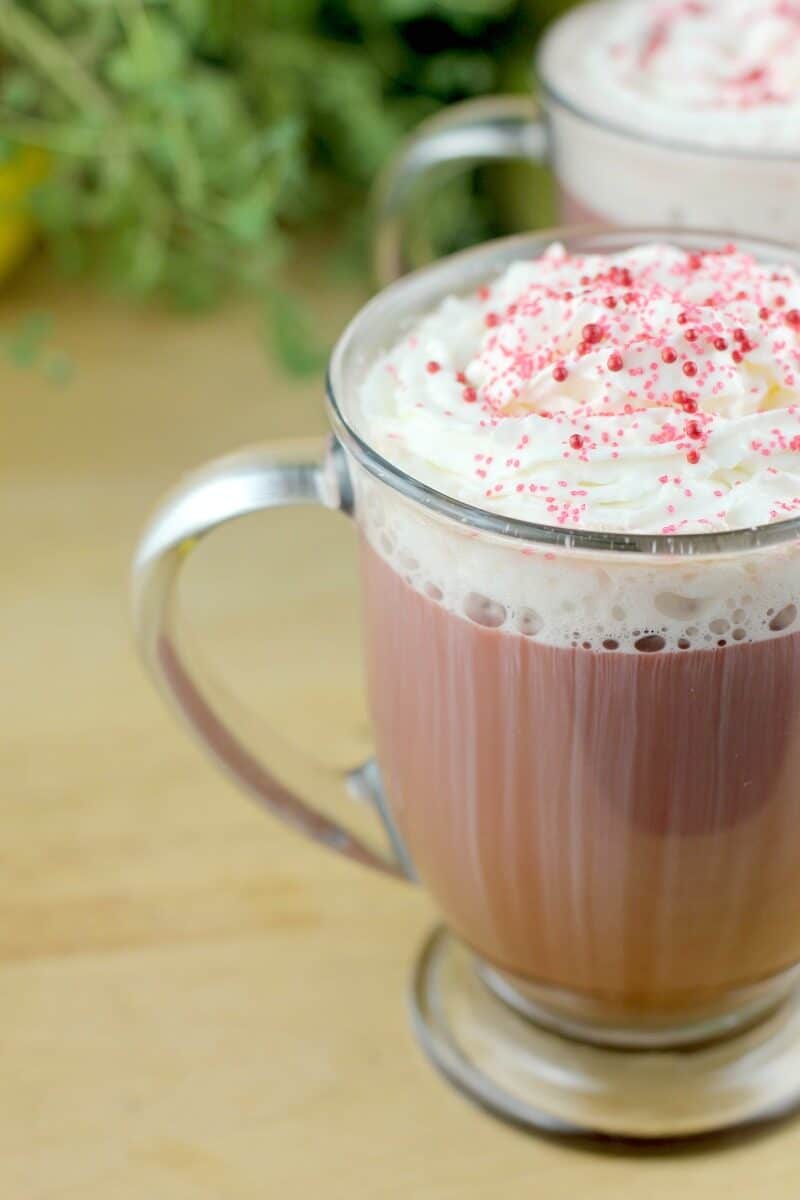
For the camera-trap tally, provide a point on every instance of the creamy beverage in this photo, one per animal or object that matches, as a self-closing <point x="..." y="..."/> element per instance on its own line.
<point x="684" y="112"/>
<point x="573" y="462"/>
<point x="594" y="758"/>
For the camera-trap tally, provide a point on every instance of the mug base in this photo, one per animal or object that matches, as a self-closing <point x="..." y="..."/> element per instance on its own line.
<point x="539" y="1078"/>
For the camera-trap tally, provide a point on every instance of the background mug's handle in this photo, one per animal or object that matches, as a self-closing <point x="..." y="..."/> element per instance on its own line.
<point x="256" y="479"/>
<point x="494" y="128"/>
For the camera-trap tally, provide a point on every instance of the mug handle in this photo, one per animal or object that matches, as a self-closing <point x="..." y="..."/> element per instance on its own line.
<point x="255" y="479"/>
<point x="493" y="128"/>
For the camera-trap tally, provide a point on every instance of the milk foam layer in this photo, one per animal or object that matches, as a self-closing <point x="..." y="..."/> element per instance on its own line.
<point x="719" y="73"/>
<point x="606" y="602"/>
<point x="655" y="391"/>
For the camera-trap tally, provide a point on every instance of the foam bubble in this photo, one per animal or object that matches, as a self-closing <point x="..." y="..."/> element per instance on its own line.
<point x="484" y="611"/>
<point x="651" y="643"/>
<point x="784" y="619"/>
<point x="529" y="622"/>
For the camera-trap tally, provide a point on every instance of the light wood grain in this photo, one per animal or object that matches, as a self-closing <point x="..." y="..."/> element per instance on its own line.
<point x="194" y="1004"/>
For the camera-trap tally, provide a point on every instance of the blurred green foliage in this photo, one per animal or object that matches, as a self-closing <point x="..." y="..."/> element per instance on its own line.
<point x="193" y="140"/>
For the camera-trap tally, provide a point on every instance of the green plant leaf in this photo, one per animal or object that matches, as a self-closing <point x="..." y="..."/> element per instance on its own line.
<point x="291" y="335"/>
<point x="70" y="252"/>
<point x="154" y="53"/>
<point x="25" y="343"/>
<point x="193" y="16"/>
<point x="58" y="368"/>
<point x="9" y="149"/>
<point x="459" y="73"/>
<point x="20" y="89"/>
<point x="58" y="204"/>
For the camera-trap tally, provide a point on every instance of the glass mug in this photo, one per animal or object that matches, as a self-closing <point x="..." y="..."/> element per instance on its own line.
<point x="611" y="833"/>
<point x="606" y="174"/>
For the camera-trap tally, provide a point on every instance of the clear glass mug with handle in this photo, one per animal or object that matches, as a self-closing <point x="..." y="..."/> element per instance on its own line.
<point x="608" y="822"/>
<point x="608" y="172"/>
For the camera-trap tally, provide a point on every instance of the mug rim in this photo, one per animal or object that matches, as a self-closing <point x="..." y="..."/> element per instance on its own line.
<point x="501" y="252"/>
<point x="555" y="96"/>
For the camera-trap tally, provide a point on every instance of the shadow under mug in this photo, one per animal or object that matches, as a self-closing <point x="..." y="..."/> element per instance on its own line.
<point x="606" y="174"/>
<point x="611" y="833"/>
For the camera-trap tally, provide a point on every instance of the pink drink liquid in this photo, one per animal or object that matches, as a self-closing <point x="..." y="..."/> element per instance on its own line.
<point x="623" y="824"/>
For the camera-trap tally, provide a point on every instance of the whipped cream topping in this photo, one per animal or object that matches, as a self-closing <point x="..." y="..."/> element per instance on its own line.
<point x="721" y="73"/>
<point x="652" y="391"/>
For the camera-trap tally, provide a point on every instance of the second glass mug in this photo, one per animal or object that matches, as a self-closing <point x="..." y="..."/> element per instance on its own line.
<point x="606" y="174"/>
<point x="612" y="836"/>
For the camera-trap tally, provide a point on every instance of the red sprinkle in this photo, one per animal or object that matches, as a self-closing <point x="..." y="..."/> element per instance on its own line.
<point x="491" y="319"/>
<point x="470" y="395"/>
<point x="576" y="441"/>
<point x="610" y="302"/>
<point x="740" y="335"/>
<point x="615" y="362"/>
<point x="560" y="374"/>
<point x="433" y="367"/>
<point x="691" y="335"/>
<point x="593" y="334"/>
<point x="764" y="313"/>
<point x="686" y="402"/>
<point x="793" y="318"/>
<point x="737" y="356"/>
<point x="668" y="355"/>
<point x="690" y="369"/>
<point x="693" y="457"/>
<point x="720" y="343"/>
<point x="693" y="430"/>
<point x="682" y="319"/>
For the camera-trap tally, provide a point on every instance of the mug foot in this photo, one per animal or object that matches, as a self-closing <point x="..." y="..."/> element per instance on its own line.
<point x="539" y="1078"/>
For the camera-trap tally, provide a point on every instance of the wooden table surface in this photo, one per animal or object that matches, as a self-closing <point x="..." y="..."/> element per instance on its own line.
<point x="195" y="1004"/>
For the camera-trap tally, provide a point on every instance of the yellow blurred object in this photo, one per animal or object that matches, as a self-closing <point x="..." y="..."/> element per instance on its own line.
<point x="18" y="177"/>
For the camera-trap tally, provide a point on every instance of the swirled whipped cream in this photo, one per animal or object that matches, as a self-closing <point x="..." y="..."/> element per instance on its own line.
<point x="721" y="73"/>
<point x="652" y="391"/>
